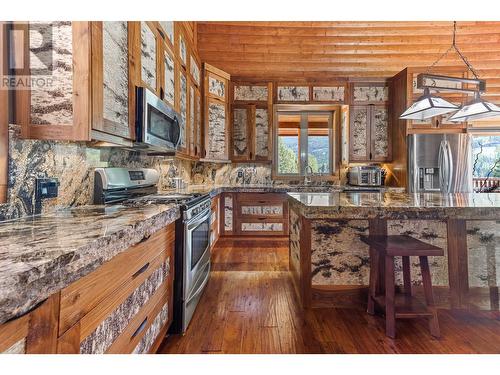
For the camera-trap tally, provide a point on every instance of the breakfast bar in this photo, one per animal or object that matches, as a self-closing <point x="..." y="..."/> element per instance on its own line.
<point x="330" y="264"/>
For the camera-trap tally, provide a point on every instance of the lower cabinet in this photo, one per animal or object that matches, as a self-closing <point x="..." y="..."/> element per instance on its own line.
<point x="125" y="306"/>
<point x="215" y="221"/>
<point x="34" y="332"/>
<point x="255" y="214"/>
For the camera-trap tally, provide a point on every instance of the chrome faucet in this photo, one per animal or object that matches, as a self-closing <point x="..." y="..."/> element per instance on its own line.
<point x="307" y="176"/>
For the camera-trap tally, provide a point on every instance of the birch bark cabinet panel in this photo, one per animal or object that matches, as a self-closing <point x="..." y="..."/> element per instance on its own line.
<point x="58" y="55"/>
<point x="217" y="138"/>
<point x="250" y="133"/>
<point x="113" y="92"/>
<point x="369" y="133"/>
<point x="251" y="121"/>
<point x="112" y="311"/>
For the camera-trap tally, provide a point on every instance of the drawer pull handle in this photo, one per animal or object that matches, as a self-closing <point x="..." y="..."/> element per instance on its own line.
<point x="144" y="239"/>
<point x="140" y="270"/>
<point x="140" y="328"/>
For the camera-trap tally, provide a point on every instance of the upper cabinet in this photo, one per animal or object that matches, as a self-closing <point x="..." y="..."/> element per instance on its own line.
<point x="370" y="134"/>
<point x="58" y="55"/>
<point x="216" y="114"/>
<point x="149" y="56"/>
<point x="251" y="121"/>
<point x="113" y="94"/>
<point x="87" y="73"/>
<point x="369" y="93"/>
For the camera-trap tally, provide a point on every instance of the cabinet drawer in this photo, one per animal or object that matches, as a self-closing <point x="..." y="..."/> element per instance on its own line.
<point x="145" y="327"/>
<point x="82" y="296"/>
<point x="263" y="214"/>
<point x="122" y="312"/>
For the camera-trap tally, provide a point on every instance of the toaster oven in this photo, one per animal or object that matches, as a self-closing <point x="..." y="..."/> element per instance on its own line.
<point x="365" y="176"/>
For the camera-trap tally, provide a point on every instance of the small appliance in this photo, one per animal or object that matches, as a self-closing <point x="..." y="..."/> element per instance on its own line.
<point x="365" y="175"/>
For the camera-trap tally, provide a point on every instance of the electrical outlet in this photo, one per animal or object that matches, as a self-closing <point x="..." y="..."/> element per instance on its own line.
<point x="240" y="173"/>
<point x="47" y="188"/>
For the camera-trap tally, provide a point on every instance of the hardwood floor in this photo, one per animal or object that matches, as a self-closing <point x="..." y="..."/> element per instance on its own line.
<point x="250" y="306"/>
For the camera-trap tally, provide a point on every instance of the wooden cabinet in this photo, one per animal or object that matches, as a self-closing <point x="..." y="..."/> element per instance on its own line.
<point x="125" y="306"/>
<point x="216" y="114"/>
<point x="34" y="332"/>
<point x="90" y="77"/>
<point x="113" y="91"/>
<point x="255" y="214"/>
<point x="215" y="221"/>
<point x="369" y="133"/>
<point x="251" y="121"/>
<point x="58" y="106"/>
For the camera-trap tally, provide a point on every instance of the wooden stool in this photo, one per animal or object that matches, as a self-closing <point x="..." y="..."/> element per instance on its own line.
<point x="385" y="248"/>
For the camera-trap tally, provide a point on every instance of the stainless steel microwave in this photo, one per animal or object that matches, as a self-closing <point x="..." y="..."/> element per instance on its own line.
<point x="157" y="125"/>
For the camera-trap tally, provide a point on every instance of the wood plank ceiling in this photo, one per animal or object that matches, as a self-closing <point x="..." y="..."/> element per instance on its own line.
<point x="319" y="51"/>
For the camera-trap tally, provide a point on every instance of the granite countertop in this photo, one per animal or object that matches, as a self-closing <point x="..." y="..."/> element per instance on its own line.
<point x="396" y="205"/>
<point x="281" y="188"/>
<point x="40" y="255"/>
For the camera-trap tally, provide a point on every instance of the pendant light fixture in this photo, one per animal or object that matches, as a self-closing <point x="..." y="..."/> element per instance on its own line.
<point x="428" y="106"/>
<point x="476" y="109"/>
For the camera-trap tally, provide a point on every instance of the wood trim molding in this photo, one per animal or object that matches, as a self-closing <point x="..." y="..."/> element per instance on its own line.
<point x="4" y="116"/>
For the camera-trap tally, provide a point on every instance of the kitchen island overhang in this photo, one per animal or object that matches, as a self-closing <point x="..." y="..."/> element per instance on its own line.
<point x="330" y="264"/>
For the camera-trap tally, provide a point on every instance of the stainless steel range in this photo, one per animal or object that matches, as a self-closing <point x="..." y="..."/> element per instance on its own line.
<point x="138" y="186"/>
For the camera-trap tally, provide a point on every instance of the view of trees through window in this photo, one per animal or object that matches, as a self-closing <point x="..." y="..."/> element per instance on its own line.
<point x="318" y="145"/>
<point x="486" y="156"/>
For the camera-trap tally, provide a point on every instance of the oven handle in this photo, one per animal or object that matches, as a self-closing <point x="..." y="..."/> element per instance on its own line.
<point x="200" y="288"/>
<point x="193" y="224"/>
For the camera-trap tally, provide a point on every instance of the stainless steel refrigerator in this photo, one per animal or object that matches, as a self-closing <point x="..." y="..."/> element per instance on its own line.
<point x="440" y="162"/>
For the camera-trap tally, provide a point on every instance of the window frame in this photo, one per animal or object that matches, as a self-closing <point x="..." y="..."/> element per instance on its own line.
<point x="334" y="139"/>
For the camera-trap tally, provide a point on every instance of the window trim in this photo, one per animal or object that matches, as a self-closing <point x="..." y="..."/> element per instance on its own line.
<point x="304" y="110"/>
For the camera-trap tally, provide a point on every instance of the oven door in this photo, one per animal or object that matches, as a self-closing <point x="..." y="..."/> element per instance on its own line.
<point x="197" y="252"/>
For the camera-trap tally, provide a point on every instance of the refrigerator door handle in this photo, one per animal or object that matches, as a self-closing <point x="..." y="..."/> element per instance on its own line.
<point x="449" y="167"/>
<point x="441" y="165"/>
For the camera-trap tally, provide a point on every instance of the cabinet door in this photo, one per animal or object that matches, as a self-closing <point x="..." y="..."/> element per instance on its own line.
<point x="113" y="93"/>
<point x="262" y="131"/>
<point x="198" y="122"/>
<point x="216" y="114"/>
<point x="359" y="133"/>
<point x="380" y="134"/>
<point x="149" y="57"/>
<point x="56" y="56"/>
<point x="192" y="121"/>
<point x="216" y="137"/>
<point x="241" y="132"/>
<point x="183" y="110"/>
<point x="35" y="332"/>
<point x="169" y="76"/>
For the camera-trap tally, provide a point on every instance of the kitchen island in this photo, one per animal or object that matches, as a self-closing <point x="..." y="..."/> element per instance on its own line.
<point x="330" y="264"/>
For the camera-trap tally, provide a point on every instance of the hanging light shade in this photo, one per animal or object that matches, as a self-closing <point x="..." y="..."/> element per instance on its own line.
<point x="428" y="106"/>
<point x="475" y="110"/>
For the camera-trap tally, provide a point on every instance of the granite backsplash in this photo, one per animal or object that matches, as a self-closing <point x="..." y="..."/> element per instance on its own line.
<point x="73" y="164"/>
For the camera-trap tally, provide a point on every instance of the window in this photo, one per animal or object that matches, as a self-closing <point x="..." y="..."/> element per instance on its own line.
<point x="486" y="156"/>
<point x="304" y="143"/>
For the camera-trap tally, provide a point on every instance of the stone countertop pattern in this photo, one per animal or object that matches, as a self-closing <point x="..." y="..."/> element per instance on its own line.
<point x="396" y="205"/>
<point x="40" y="255"/>
<point x="214" y="190"/>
